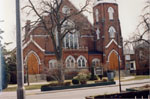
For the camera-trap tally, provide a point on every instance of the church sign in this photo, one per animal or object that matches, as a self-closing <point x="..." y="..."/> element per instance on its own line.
<point x="98" y="71"/>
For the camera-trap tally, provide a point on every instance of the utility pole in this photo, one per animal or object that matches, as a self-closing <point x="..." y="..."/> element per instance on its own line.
<point x="149" y="47"/>
<point x="20" y="69"/>
<point x="1" y="75"/>
<point x="119" y="64"/>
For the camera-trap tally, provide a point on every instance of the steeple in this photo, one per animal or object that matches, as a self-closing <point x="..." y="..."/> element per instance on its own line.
<point x="96" y="2"/>
<point x="108" y="32"/>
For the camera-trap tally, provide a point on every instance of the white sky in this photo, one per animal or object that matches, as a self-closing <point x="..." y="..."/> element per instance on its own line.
<point x="129" y="12"/>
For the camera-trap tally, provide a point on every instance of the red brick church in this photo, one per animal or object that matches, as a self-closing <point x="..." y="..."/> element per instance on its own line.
<point x="98" y="44"/>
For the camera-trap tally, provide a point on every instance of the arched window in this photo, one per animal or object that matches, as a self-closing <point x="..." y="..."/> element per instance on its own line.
<point x="70" y="62"/>
<point x="52" y="64"/>
<point x="81" y="61"/>
<point x="66" y="9"/>
<point x="98" y="33"/>
<point x="112" y="32"/>
<point x="111" y="12"/>
<point x="71" y="41"/>
<point x="71" y="38"/>
<point x="68" y="25"/>
<point x="97" y="15"/>
<point x="96" y="62"/>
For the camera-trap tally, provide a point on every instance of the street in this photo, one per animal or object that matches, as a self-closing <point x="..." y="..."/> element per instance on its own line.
<point x="79" y="93"/>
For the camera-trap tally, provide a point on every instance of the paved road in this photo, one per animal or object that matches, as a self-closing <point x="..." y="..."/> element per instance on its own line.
<point x="79" y="93"/>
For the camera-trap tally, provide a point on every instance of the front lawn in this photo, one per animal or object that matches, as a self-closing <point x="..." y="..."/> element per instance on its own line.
<point x="139" y="77"/>
<point x="31" y="87"/>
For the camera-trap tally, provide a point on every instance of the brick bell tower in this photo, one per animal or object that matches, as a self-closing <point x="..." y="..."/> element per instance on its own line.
<point x="108" y="33"/>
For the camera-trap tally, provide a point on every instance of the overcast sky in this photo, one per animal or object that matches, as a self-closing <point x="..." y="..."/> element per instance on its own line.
<point x="129" y="12"/>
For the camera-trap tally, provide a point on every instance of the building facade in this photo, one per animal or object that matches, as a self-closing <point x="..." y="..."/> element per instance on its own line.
<point x="130" y="62"/>
<point x="142" y="58"/>
<point x="98" y="44"/>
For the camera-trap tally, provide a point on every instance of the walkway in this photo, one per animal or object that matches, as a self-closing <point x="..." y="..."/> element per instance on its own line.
<point x="79" y="93"/>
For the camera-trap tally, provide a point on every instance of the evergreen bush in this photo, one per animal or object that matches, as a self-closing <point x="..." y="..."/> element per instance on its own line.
<point x="75" y="81"/>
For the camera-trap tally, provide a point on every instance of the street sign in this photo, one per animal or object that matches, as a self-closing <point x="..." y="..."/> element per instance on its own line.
<point x="98" y="71"/>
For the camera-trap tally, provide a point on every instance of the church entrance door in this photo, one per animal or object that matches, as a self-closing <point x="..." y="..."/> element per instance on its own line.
<point x="113" y="61"/>
<point x="32" y="64"/>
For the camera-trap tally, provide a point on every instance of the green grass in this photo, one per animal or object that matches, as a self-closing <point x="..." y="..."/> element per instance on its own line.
<point x="31" y="87"/>
<point x="139" y="77"/>
<point x="10" y="89"/>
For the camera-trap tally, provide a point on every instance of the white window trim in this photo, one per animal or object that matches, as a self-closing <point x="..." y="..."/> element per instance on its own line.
<point x="112" y="30"/>
<point x="97" y="15"/>
<point x="37" y="57"/>
<point x="66" y="10"/>
<point x="81" y="62"/>
<point x="70" y="63"/>
<point x="36" y="44"/>
<point x="134" y="65"/>
<point x="111" y="53"/>
<point x="111" y="13"/>
<point x="96" y="60"/>
<point x="111" y="43"/>
<point x="53" y="62"/>
<point x="104" y="1"/>
<point x="73" y="35"/>
<point x="98" y="33"/>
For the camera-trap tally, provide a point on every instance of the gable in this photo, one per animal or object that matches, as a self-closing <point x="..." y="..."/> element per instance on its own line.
<point x="35" y="43"/>
<point x="112" y="41"/>
<point x="80" y="19"/>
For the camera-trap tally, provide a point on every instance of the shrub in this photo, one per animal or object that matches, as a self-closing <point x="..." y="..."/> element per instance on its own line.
<point x="97" y="81"/>
<point x="94" y="77"/>
<point x="92" y="73"/>
<point x="60" y="84"/>
<point x="53" y="84"/>
<point x="49" y="78"/>
<point x="104" y="80"/>
<point x="84" y="72"/>
<point x="67" y="83"/>
<point x="75" y="81"/>
<point x="6" y="75"/>
<point x="83" y="82"/>
<point x="111" y="79"/>
<point x="82" y="77"/>
<point x="88" y="76"/>
<point x="70" y="74"/>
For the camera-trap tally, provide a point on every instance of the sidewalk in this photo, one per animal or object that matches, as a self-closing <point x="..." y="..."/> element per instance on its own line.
<point x="38" y="91"/>
<point x="36" y="83"/>
<point x="134" y="82"/>
<point x="78" y="93"/>
<point x="117" y="81"/>
<point x="127" y="78"/>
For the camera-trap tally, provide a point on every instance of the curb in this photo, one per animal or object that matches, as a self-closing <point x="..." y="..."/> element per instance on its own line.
<point x="85" y="88"/>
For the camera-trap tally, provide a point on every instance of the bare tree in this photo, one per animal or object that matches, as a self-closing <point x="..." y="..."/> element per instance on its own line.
<point x="140" y="41"/>
<point x="55" y="23"/>
<point x="143" y="29"/>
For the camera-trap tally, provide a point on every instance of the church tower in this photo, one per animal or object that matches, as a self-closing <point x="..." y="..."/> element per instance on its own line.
<point x="108" y="33"/>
